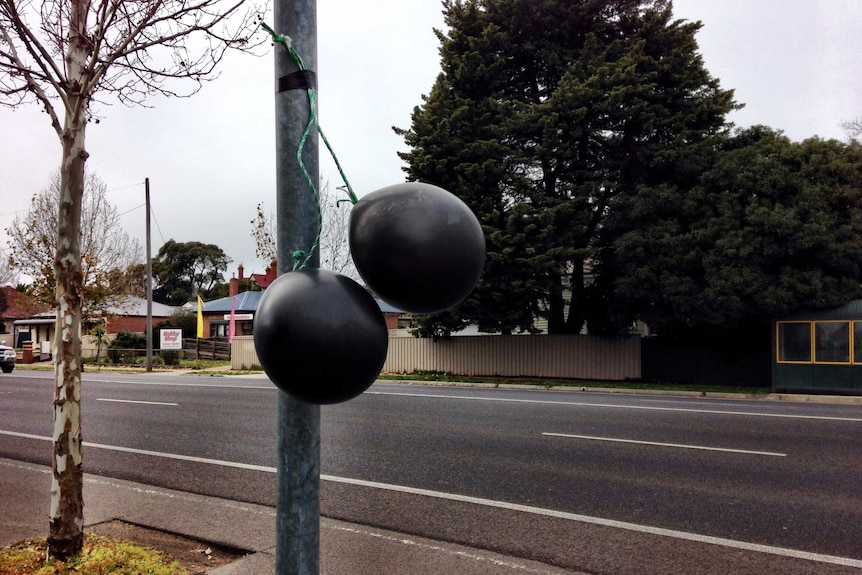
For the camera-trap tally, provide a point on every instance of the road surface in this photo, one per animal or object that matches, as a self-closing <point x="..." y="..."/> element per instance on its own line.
<point x="596" y="482"/>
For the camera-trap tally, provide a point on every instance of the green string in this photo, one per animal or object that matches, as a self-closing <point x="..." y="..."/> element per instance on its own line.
<point x="301" y="258"/>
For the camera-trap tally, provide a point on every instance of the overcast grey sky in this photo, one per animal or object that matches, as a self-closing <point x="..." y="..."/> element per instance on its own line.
<point x="795" y="64"/>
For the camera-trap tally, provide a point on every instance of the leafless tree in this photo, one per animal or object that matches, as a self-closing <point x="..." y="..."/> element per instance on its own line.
<point x="8" y="275"/>
<point x="66" y="56"/>
<point x="106" y="249"/>
<point x="334" y="247"/>
<point x="853" y="128"/>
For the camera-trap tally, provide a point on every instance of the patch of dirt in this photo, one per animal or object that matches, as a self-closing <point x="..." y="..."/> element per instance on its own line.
<point x="197" y="557"/>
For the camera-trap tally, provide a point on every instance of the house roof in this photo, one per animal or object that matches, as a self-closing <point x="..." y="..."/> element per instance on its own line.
<point x="137" y="306"/>
<point x="386" y="308"/>
<point x="263" y="280"/>
<point x="127" y="306"/>
<point x="20" y="305"/>
<point x="247" y="301"/>
<point x="850" y="310"/>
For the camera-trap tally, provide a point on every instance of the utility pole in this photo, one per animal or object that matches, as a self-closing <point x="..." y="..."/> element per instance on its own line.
<point x="149" y="282"/>
<point x="298" y="471"/>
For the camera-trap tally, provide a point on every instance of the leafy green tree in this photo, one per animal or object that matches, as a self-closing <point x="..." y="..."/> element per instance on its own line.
<point x="544" y="114"/>
<point x="771" y="227"/>
<point x="183" y="270"/>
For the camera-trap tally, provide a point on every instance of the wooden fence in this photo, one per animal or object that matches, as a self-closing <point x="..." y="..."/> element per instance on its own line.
<point x="217" y="349"/>
<point x="546" y="356"/>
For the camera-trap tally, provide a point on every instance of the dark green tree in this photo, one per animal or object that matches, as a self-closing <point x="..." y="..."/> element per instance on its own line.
<point x="544" y="114"/>
<point x="772" y="227"/>
<point x="183" y="270"/>
<point x="186" y="320"/>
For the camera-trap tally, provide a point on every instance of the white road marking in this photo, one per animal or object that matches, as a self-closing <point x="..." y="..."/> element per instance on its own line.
<point x="744" y="545"/>
<point x="270" y="387"/>
<point x="646" y="529"/>
<point x="614" y="406"/>
<point x="139" y="402"/>
<point x="655" y="443"/>
<point x="153" y="453"/>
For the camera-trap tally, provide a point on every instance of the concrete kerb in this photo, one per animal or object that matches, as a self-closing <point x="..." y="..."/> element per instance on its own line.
<point x="790" y="397"/>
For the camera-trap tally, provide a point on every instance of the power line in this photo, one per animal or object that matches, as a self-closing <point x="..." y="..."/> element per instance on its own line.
<point x="153" y="213"/>
<point x="131" y="210"/>
<point x="125" y="187"/>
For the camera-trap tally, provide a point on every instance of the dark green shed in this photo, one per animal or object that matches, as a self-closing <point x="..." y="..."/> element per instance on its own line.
<point x="819" y="351"/>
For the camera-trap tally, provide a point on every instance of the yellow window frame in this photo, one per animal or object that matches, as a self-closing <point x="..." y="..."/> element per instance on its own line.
<point x="778" y="342"/>
<point x="849" y="324"/>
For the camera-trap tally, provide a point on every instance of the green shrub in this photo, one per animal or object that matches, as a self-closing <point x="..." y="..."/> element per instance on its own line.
<point x="170" y="357"/>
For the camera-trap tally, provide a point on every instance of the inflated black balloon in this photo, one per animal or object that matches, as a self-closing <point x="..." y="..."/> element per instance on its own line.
<point x="417" y="246"/>
<point x="320" y="336"/>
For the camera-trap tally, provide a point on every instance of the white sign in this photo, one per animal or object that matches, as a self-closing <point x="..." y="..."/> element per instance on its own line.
<point x="239" y="316"/>
<point x="171" y="339"/>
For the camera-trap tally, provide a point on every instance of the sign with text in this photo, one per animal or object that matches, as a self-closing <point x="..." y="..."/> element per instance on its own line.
<point x="239" y="316"/>
<point x="171" y="339"/>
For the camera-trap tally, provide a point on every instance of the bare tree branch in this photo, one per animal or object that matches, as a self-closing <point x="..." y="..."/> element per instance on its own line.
<point x="134" y="48"/>
<point x="853" y="127"/>
<point x="81" y="52"/>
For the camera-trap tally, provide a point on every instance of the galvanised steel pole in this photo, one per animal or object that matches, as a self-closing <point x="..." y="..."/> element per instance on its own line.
<point x="298" y="475"/>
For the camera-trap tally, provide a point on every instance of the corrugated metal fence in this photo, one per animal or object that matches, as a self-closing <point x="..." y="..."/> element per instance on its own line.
<point x="547" y="356"/>
<point x="550" y="356"/>
<point x="242" y="353"/>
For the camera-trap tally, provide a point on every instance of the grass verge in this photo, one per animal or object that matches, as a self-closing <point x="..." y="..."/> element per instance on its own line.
<point x="569" y="383"/>
<point x="100" y="556"/>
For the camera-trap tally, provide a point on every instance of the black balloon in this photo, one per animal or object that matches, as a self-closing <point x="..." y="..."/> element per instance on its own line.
<point x="417" y="246"/>
<point x="320" y="336"/>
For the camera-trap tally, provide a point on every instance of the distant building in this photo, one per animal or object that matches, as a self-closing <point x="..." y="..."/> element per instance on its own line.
<point x="19" y="306"/>
<point x="217" y="313"/>
<point x="127" y="314"/>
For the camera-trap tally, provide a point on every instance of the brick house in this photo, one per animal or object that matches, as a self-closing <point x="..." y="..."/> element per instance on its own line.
<point x="128" y="314"/>
<point x="19" y="306"/>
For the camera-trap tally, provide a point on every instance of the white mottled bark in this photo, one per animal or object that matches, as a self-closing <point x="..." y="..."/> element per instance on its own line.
<point x="66" y="533"/>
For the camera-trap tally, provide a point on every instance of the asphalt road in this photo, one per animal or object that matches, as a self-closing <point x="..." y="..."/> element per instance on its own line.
<point x="539" y="474"/>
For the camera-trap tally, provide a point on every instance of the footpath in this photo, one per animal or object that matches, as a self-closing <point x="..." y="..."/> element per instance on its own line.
<point x="345" y="548"/>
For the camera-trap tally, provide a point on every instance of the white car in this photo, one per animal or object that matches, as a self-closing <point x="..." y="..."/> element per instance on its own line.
<point x="7" y="358"/>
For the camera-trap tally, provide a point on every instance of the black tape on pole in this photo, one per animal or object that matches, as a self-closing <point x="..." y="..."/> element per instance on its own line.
<point x="299" y="80"/>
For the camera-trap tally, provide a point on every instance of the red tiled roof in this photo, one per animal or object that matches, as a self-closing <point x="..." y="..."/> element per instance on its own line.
<point x="21" y="305"/>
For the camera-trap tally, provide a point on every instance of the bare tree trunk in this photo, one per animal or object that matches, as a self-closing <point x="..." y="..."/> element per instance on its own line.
<point x="66" y="530"/>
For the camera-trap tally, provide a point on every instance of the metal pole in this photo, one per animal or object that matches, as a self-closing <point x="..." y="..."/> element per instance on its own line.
<point x="298" y="474"/>
<point x="149" y="282"/>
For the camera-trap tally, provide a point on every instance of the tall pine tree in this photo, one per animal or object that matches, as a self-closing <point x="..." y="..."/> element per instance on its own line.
<point x="545" y="113"/>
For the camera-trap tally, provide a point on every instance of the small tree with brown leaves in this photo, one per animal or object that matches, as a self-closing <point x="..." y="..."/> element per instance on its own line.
<point x="66" y="56"/>
<point x="107" y="251"/>
<point x="334" y="247"/>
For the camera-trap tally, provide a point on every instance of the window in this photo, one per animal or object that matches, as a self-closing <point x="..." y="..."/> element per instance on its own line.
<point x="794" y="341"/>
<point x="857" y="342"/>
<point x="832" y="342"/>
<point x="218" y="329"/>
